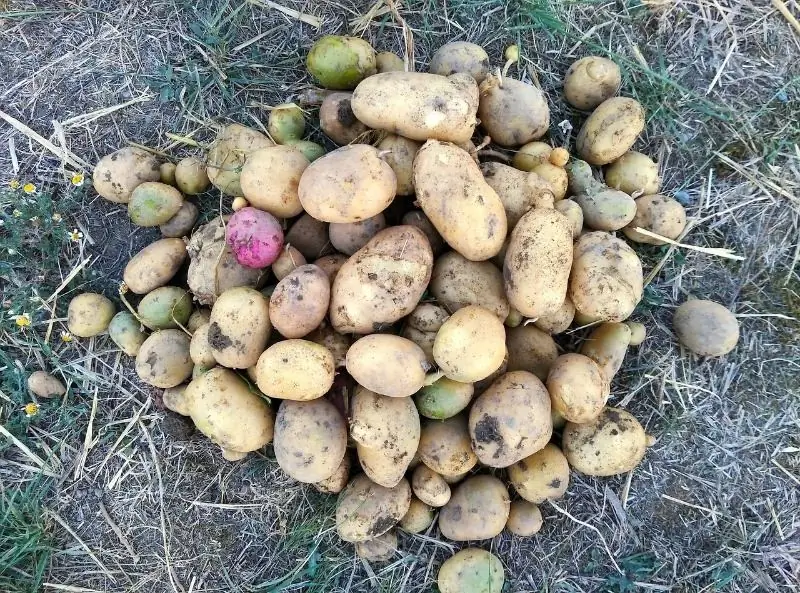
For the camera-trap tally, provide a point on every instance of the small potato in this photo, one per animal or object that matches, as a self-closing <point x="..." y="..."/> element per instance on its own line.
<point x="401" y="153"/>
<point x="633" y="173"/>
<point x="155" y="265"/>
<point x="559" y="157"/>
<point x="470" y="345"/>
<point x="512" y="112"/>
<point x="339" y="123"/>
<point x="336" y="482"/>
<point x="43" y="384"/>
<point x="387" y="364"/>
<point x="153" y="203"/>
<point x="603" y="208"/>
<point x="339" y="62"/>
<point x="349" y="237"/>
<point x="300" y="301"/>
<point x="422" y="339"/>
<point x="286" y="123"/>
<point x="337" y="343"/>
<point x="457" y="282"/>
<point x="455" y="479"/>
<point x="347" y="185"/>
<point x="418" y="219"/>
<point x="478" y="509"/>
<point x="524" y="518"/>
<point x="126" y="332"/>
<point x="638" y="332"/>
<point x="443" y="399"/>
<point x="164" y="360"/>
<point x="366" y="510"/>
<point x="166" y="307"/>
<point x="289" y="259"/>
<point x="427" y="317"/>
<point x="200" y="348"/>
<point x="228" y="155"/>
<point x="116" y="175"/>
<point x="310" y="237"/>
<point x="379" y="549"/>
<point x="530" y="349"/>
<point x="331" y="264"/>
<point x="311" y="150"/>
<point x="460" y="56"/>
<point x="445" y="447"/>
<point x="418" y="517"/>
<point x="558" y="321"/>
<point x="532" y="155"/>
<point x="167" y="173"/>
<point x="199" y="317"/>
<point x="270" y="178"/>
<point x="298" y="370"/>
<point x="175" y="399"/>
<point x="239" y="327"/>
<point x="191" y="177"/>
<point x="519" y="191"/>
<point x="542" y="476"/>
<point x="473" y="570"/>
<point x="574" y="214"/>
<point x="555" y="176"/>
<point x="611" y="444"/>
<point x="706" y="328"/>
<point x="387" y="61"/>
<point x="89" y="314"/>
<point x="513" y="319"/>
<point x="429" y="487"/>
<point x="182" y="223"/>
<point x="658" y="214"/>
<point x="578" y="387"/>
<point x="610" y="130"/>
<point x="590" y="81"/>
<point x="607" y="345"/>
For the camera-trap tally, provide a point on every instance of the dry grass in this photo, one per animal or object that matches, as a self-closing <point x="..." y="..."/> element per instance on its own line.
<point x="138" y="501"/>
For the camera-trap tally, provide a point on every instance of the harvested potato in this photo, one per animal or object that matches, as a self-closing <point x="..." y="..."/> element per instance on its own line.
<point x="366" y="510"/>
<point x="519" y="191"/>
<point x="382" y="282"/>
<point x="191" y="176"/>
<point x="430" y="487"/>
<point x="339" y="62"/>
<point x="155" y="265"/>
<point x="347" y="185"/>
<point x="460" y="56"/>
<point x="512" y="112"/>
<point x="400" y="156"/>
<point x="590" y="81"/>
<point x="706" y="328"/>
<point x="182" y="223"/>
<point x="658" y="214"/>
<point x="200" y="347"/>
<point x="445" y="448"/>
<point x="311" y="150"/>
<point x="478" y="509"/>
<point x="116" y="175"/>
<point x="126" y="332"/>
<point x="339" y="123"/>
<point x="228" y="155"/>
<point x="255" y="237"/>
<point x="606" y="345"/>
<point x="638" y="332"/>
<point x="89" y="314"/>
<point x="418" y="517"/>
<point x="338" y="480"/>
<point x="166" y="307"/>
<point x="163" y="360"/>
<point x="555" y="176"/>
<point x="422" y="339"/>
<point x="603" y="208"/>
<point x="418" y="106"/>
<point x="387" y="61"/>
<point x="513" y="319"/>
<point x="524" y="518"/>
<point x="531" y="155"/>
<point x="286" y="122"/>
<point x="574" y="214"/>
<point x="457" y="282"/>
<point x="418" y="219"/>
<point x="611" y="444"/>
<point x="270" y="177"/>
<point x="473" y="570"/>
<point x="331" y="264"/>
<point x="387" y="364"/>
<point x="299" y="370"/>
<point x="309" y="236"/>
<point x="43" y="384"/>
<point x="578" y="387"/>
<point x="300" y="301"/>
<point x="455" y="197"/>
<point x="197" y="318"/>
<point x="427" y="317"/>
<point x="310" y="439"/>
<point x="610" y="130"/>
<point x="559" y="157"/>
<point x="153" y="203"/>
<point x="633" y="173"/>
<point x="239" y="327"/>
<point x="470" y="345"/>
<point x="337" y="343"/>
<point x="238" y="203"/>
<point x="379" y="549"/>
<point x="174" y="399"/>
<point x="510" y="420"/>
<point x="606" y="281"/>
<point x="530" y="349"/>
<point x="541" y="476"/>
<point x="349" y="237"/>
<point x="558" y="321"/>
<point x="166" y="172"/>
<point x="455" y="479"/>
<point x="444" y="398"/>
<point x="289" y="259"/>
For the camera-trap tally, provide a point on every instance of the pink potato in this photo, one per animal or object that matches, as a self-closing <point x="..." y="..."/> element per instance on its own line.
<point x="255" y="237"/>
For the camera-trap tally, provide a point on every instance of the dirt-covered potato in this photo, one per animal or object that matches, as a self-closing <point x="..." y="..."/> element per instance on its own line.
<point x="460" y="56"/>
<point x="191" y="176"/>
<point x="339" y="62"/>
<point x="239" y="327"/>
<point x="382" y="282"/>
<point x="387" y="364"/>
<point x="338" y="480"/>
<point x="299" y="370"/>
<point x="166" y="307"/>
<point x="175" y="400"/>
<point x="349" y="237"/>
<point x="603" y="208"/>
<point x="270" y="177"/>
<point x="331" y="264"/>
<point x="89" y="314"/>
<point x="286" y="123"/>
<point x="478" y="509"/>
<point x="578" y="387"/>
<point x="223" y="408"/>
<point x="155" y="265"/>
<point x="182" y="223"/>
<point x="658" y="214"/>
<point x="366" y="510"/>
<point x="418" y="219"/>
<point x="300" y="301"/>
<point x="164" y="360"/>
<point x="610" y="130"/>
<point x="418" y="106"/>
<point x="379" y="549"/>
<point x="512" y="112"/>
<point x="444" y="398"/>
<point x="167" y="173"/>
<point x="43" y="384"/>
<point x="473" y="570"/>
<point x="422" y="339"/>
<point x="574" y="214"/>
<point x="228" y="155"/>
<point x="126" y="332"/>
<point x="455" y="479"/>
<point x="524" y="518"/>
<point x="633" y="173"/>
<point x="200" y="348"/>
<point x="541" y="476"/>
<point x="430" y="487"/>
<point x="337" y="343"/>
<point x="590" y="81"/>
<point x="310" y="439"/>
<point x="531" y="155"/>
<point x="470" y="345"/>
<point x="706" y="328"/>
<point x="289" y="259"/>
<point x="530" y="349"/>
<point x="555" y="176"/>
<point x="518" y="190"/>
<point x="310" y="237"/>
<point x="457" y="282"/>
<point x="606" y="281"/>
<point x="445" y="448"/>
<point x="153" y="203"/>
<point x="510" y="420"/>
<point x="558" y="321"/>
<point x="197" y="318"/>
<point x="418" y="517"/>
<point x="339" y="123"/>
<point x="400" y="156"/>
<point x="116" y="175"/>
<point x="387" y="61"/>
<point x="611" y="444"/>
<point x="607" y="345"/>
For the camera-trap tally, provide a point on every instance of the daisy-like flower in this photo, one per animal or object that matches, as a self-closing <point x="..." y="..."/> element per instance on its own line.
<point x="14" y="184"/>
<point x="56" y="217"/>
<point x="29" y="188"/>
<point x="16" y="213"/>
<point x="75" y="235"/>
<point x="77" y="179"/>
<point x="31" y="409"/>
<point x="23" y="320"/>
<point x="66" y="337"/>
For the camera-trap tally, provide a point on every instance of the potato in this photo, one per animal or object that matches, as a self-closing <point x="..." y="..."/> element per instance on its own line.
<point x="200" y="348"/>
<point x="429" y="487"/>
<point x="197" y="318"/>
<point x="174" y="399"/>
<point x="89" y="314"/>
<point x="349" y="237"/>
<point x="578" y="387"/>
<point x="223" y="408"/>
<point x="531" y="155"/>
<point x="331" y="264"/>
<point x="270" y="177"/>
<point x="166" y="172"/>
<point x="633" y="173"/>
<point x="43" y="384"/>
<point x="530" y="349"/>
<point x="153" y="203"/>
<point x="613" y="443"/>
<point x="460" y="56"/>
<point x="379" y="549"/>
<point x="555" y="176"/>
<point x="610" y="130"/>
<point x="155" y="265"/>
<point x="339" y="62"/>
<point x="519" y="191"/>
<point x="484" y="384"/>
<point x="590" y="81"/>
<point x="300" y="301"/>
<point x="541" y="476"/>
<point x="607" y="345"/>
<point x="126" y="332"/>
<point x="286" y="122"/>
<point x="558" y="321"/>
<point x="418" y="106"/>
<point x="310" y="439"/>
<point x="387" y="364"/>
<point x="638" y="332"/>
<point x="382" y="282"/>
<point x="559" y="157"/>
<point x="478" y="509"/>
<point x="510" y="420"/>
<point x="289" y="260"/>
<point x="512" y="112"/>
<point x="255" y="237"/>
<point x="401" y="153"/>
<point x="524" y="518"/>
<point x="387" y="61"/>
<point x="366" y="510"/>
<point x="470" y="345"/>
<point x="461" y="205"/>
<point x="298" y="370"/>
<point x="339" y="123"/>
<point x="473" y="570"/>
<point x="338" y="480"/>
<point x="443" y="399"/>
<point x="166" y="307"/>
<point x="228" y="155"/>
<point x="182" y="223"/>
<point x="418" y="219"/>
<point x="311" y="150"/>
<point x="603" y="208"/>
<point x="455" y="479"/>
<point x="706" y="328"/>
<point x="422" y="339"/>
<point x="445" y="448"/>
<point x="418" y="517"/>
<point x="574" y="214"/>
<point x="309" y="236"/>
<point x="163" y="360"/>
<point x="537" y="263"/>
<point x="427" y="317"/>
<point x="239" y="327"/>
<point x="457" y="282"/>
<point x="116" y="175"/>
<point x="658" y="214"/>
<point x="347" y="185"/>
<point x="337" y="343"/>
<point x="191" y="176"/>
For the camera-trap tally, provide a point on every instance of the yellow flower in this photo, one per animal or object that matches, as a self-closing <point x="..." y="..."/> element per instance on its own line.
<point x="29" y="188"/>
<point x="66" y="337"/>
<point x="23" y="320"/>
<point x="77" y="179"/>
<point x="31" y="409"/>
<point x="75" y="235"/>
<point x="14" y="184"/>
<point x="16" y="213"/>
<point x="56" y="217"/>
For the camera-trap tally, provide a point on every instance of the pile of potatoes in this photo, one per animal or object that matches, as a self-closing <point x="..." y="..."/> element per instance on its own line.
<point x="387" y="314"/>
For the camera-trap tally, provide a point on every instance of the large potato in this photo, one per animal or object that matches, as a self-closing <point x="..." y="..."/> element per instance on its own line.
<point x="155" y="265"/>
<point x="164" y="360"/>
<point x="339" y="62"/>
<point x="603" y="208"/>
<point x="239" y="327"/>
<point x="706" y="328"/>
<point x="530" y="349"/>
<point x="89" y="314"/>
<point x="116" y="175"/>
<point x="366" y="510"/>
<point x="559" y="320"/>
<point x="478" y="509"/>
<point x="310" y="439"/>
<point x="524" y="518"/>
<point x="126" y="332"/>
<point x="519" y="191"/>
<point x="537" y="263"/>
<point x="607" y="345"/>
<point x="610" y="130"/>
<point x="510" y="420"/>
<point x="418" y="219"/>
<point x="270" y="178"/>
<point x="310" y="237"/>
<point x="455" y="197"/>
<point x="401" y="152"/>
<point x="541" y="476"/>
<point x="590" y="81"/>
<point x="339" y="123"/>
<point x="299" y="370"/>
<point x="445" y="448"/>
<point x="347" y="185"/>
<point x="658" y="214"/>
<point x="229" y="153"/>
<point x="337" y="343"/>
<point x="382" y="282"/>
<point x="512" y="112"/>
<point x="153" y="203"/>
<point x="460" y="56"/>
<point x="471" y="570"/>
<point x="578" y="387"/>
<point x="457" y="282"/>
<point x="444" y="398"/>
<point x="300" y="301"/>
<point x="387" y="364"/>
<point x="633" y="173"/>
<point x="429" y="486"/>
<point x="606" y="281"/>
<point x="611" y="444"/>
<point x="470" y="345"/>
<point x="349" y="237"/>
